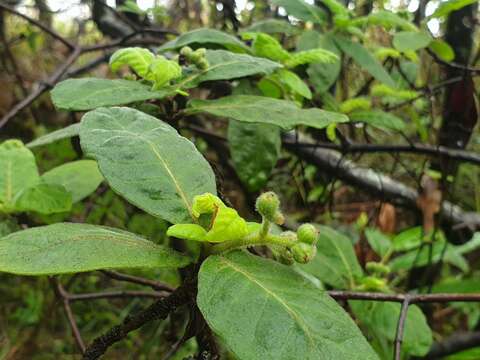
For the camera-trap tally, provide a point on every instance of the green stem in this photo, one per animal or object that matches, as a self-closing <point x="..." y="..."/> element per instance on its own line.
<point x="253" y="240"/>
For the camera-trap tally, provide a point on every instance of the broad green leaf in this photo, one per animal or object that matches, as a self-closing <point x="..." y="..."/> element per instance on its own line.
<point x="379" y="119"/>
<point x="259" y="109"/>
<point x="337" y="8"/>
<point x="205" y="37"/>
<point x="365" y="59"/>
<point x="225" y="65"/>
<point x="457" y="286"/>
<point x="68" y="248"/>
<point x="187" y="231"/>
<point x="311" y="56"/>
<point x="335" y="263"/>
<point x="272" y="26"/>
<point x="146" y="161"/>
<point x="411" y="40"/>
<point x="442" y="50"/>
<point x="263" y="310"/>
<point x="18" y="170"/>
<point x="302" y="10"/>
<point x="446" y="7"/>
<point x="379" y="242"/>
<point x="408" y="239"/>
<point x="80" y="178"/>
<point x="138" y="59"/>
<point x="353" y="104"/>
<point x="91" y="93"/>
<point x="254" y="149"/>
<point x="293" y="82"/>
<point x="44" y="199"/>
<point x="266" y="46"/>
<point x="381" y="319"/>
<point x="321" y="75"/>
<point x="471" y="245"/>
<point x="65" y="133"/>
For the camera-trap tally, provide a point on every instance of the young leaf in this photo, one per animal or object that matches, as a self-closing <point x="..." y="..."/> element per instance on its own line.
<point x="321" y="75"/>
<point x="364" y="59"/>
<point x="18" y="170"/>
<point x="147" y="161"/>
<point x="387" y="19"/>
<point x="204" y="37"/>
<point x="381" y="319"/>
<point x="161" y="71"/>
<point x="302" y="10"/>
<point x="68" y="248"/>
<point x="44" y="199"/>
<point x="311" y="56"/>
<point x="272" y="26"/>
<point x="80" y="178"/>
<point x="293" y="82"/>
<point x="446" y="7"/>
<point x="259" y="109"/>
<point x="65" y="133"/>
<point x="138" y="59"/>
<point x="335" y="263"/>
<point x="379" y="119"/>
<point x="411" y="40"/>
<point x="266" y="46"/>
<point x="264" y="310"/>
<point x="192" y="232"/>
<point x="254" y="149"/>
<point x="91" y="93"/>
<point x="225" y="65"/>
<point x="379" y="242"/>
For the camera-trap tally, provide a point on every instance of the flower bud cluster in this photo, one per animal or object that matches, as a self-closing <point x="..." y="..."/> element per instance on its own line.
<point x="196" y="57"/>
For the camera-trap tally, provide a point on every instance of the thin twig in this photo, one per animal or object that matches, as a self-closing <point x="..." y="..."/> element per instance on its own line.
<point x="117" y="294"/>
<point x="156" y="285"/>
<point x="400" y="298"/>
<point x="400" y="328"/>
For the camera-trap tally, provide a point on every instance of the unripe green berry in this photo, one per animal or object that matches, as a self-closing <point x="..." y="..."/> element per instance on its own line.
<point x="303" y="253"/>
<point x="186" y="51"/>
<point x="377" y="268"/>
<point x="268" y="205"/>
<point x="372" y="283"/>
<point x="307" y="233"/>
<point x="202" y="64"/>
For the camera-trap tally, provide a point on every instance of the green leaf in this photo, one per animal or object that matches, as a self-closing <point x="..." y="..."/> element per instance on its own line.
<point x="272" y="26"/>
<point x="311" y="56"/>
<point x="264" y="310"/>
<point x="365" y="59"/>
<point x="227" y="225"/>
<point x="254" y="149"/>
<point x="387" y="19"/>
<point x="321" y="75"/>
<point x="80" y="178"/>
<point x="381" y="319"/>
<point x="44" y="199"/>
<point x="293" y="82"/>
<point x="379" y="242"/>
<point x="442" y="50"/>
<point x="205" y="37"/>
<point x="258" y="109"/>
<point x="302" y="10"/>
<point x="379" y="119"/>
<point x="411" y="40"/>
<point x="446" y="7"/>
<point x="408" y="239"/>
<point x="146" y="161"/>
<point x="91" y="93"/>
<point x="266" y="46"/>
<point x="68" y="248"/>
<point x="335" y="263"/>
<point x="65" y="133"/>
<point x="162" y="71"/>
<point x="138" y="59"/>
<point x="18" y="170"/>
<point x="225" y="65"/>
<point x="187" y="231"/>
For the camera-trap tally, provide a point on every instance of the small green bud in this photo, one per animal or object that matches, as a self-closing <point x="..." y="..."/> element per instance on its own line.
<point x="201" y="52"/>
<point x="290" y="235"/>
<point x="202" y="64"/>
<point x="307" y="233"/>
<point x="303" y="253"/>
<point x="186" y="51"/>
<point x="377" y="268"/>
<point x="372" y="283"/>
<point x="268" y="205"/>
<point x="286" y="256"/>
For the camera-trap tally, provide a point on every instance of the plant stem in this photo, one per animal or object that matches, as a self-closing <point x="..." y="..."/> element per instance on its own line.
<point x="253" y="240"/>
